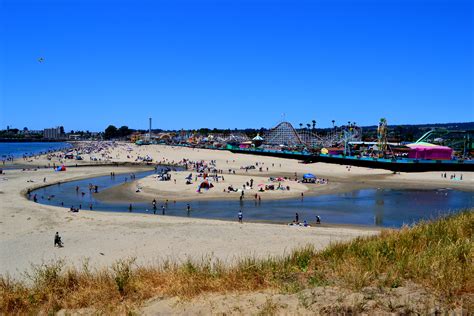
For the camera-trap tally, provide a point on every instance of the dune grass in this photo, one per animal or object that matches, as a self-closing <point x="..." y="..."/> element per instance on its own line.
<point x="437" y="255"/>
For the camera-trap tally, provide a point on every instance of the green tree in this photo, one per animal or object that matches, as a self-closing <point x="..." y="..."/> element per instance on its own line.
<point x="110" y="132"/>
<point x="204" y="131"/>
<point x="124" y="131"/>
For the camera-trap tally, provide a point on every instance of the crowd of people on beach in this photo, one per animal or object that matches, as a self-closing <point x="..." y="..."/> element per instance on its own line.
<point x="243" y="182"/>
<point x="201" y="170"/>
<point x="451" y="176"/>
<point x="252" y="182"/>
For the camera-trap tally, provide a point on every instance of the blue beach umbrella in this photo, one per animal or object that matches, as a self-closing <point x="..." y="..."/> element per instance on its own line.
<point x="309" y="176"/>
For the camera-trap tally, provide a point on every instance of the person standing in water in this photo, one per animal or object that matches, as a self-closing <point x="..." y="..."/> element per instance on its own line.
<point x="240" y="216"/>
<point x="130" y="208"/>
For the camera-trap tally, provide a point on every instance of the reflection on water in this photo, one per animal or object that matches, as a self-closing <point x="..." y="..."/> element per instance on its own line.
<point x="379" y="207"/>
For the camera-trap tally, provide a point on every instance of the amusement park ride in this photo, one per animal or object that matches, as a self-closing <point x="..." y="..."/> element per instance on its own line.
<point x="285" y="134"/>
<point x="340" y="145"/>
<point x="285" y="141"/>
<point x="461" y="141"/>
<point x="382" y="136"/>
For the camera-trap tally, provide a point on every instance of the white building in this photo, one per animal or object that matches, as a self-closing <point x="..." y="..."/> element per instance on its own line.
<point x="52" y="133"/>
<point x="74" y="136"/>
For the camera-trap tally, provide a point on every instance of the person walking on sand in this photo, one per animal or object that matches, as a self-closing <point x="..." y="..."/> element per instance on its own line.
<point x="57" y="241"/>
<point x="240" y="216"/>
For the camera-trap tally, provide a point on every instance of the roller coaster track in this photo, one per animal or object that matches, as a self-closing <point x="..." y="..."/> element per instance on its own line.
<point x="285" y="134"/>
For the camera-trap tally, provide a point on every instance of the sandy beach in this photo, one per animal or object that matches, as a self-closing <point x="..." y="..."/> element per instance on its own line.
<point x="27" y="228"/>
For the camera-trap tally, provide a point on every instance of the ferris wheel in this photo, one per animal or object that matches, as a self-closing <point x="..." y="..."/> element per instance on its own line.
<point x="382" y="135"/>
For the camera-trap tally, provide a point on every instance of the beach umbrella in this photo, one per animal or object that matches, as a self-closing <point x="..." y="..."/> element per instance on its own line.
<point x="309" y="176"/>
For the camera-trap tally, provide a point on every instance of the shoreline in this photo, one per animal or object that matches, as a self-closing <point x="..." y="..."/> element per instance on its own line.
<point x="125" y="192"/>
<point x="335" y="189"/>
<point x="27" y="228"/>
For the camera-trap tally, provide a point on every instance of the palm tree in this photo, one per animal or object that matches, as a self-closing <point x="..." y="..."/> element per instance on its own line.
<point x="308" y="125"/>
<point x="333" y="121"/>
<point x="301" y="125"/>
<point x="314" y="124"/>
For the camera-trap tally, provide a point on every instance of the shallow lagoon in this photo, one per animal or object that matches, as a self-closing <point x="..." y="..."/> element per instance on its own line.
<point x="369" y="207"/>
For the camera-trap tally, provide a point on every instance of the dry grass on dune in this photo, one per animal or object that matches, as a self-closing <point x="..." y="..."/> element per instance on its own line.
<point x="437" y="255"/>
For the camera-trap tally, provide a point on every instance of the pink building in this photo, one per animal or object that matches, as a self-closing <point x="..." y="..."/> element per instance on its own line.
<point x="429" y="151"/>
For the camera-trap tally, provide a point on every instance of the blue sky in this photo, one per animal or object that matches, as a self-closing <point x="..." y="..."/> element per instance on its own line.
<point x="234" y="64"/>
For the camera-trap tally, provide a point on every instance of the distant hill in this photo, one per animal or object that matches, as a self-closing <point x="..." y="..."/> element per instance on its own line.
<point x="408" y="132"/>
<point x="448" y="126"/>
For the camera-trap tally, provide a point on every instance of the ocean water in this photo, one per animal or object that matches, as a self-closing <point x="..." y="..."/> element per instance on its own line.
<point x="20" y="149"/>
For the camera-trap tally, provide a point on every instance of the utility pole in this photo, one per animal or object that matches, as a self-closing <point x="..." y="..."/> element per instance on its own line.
<point x="149" y="131"/>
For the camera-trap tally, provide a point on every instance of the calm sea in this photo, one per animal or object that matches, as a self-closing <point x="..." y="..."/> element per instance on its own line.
<point x="20" y="149"/>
